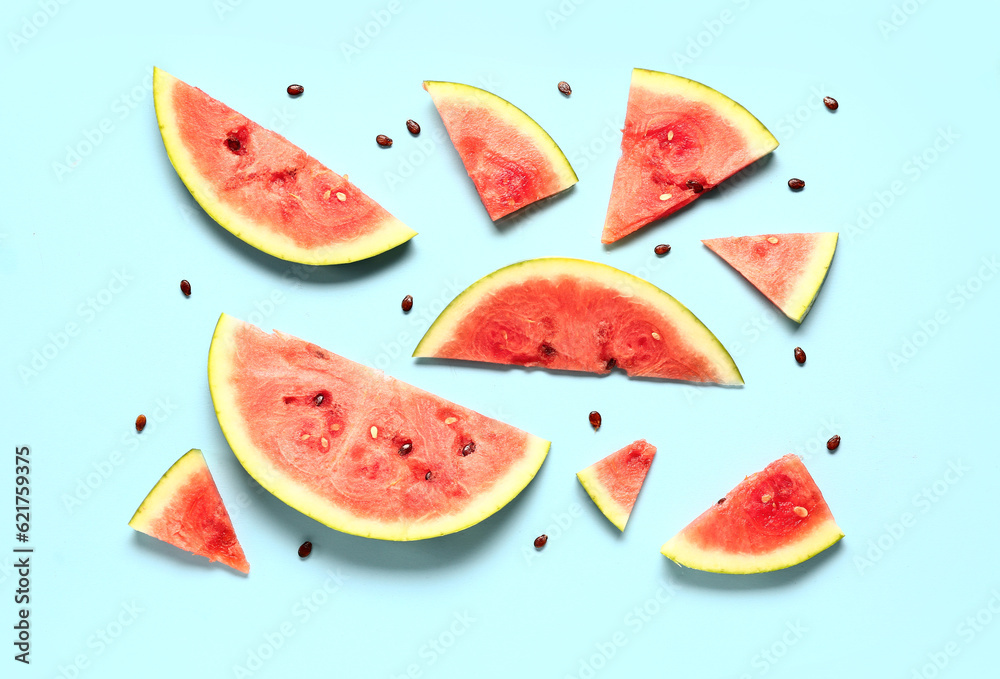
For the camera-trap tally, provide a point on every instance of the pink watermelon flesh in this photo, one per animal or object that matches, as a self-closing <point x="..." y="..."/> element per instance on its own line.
<point x="671" y="138"/>
<point x="192" y="516"/>
<point x="788" y="268"/>
<point x="614" y="481"/>
<point x="325" y="434"/>
<point x="267" y="179"/>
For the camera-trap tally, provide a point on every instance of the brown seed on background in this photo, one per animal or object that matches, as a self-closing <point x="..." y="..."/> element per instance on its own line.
<point x="186" y="288"/>
<point x="800" y="356"/>
<point x="541" y="540"/>
<point x="407" y="303"/>
<point x="565" y="88"/>
<point x="413" y="126"/>
<point x="831" y="103"/>
<point x="305" y="549"/>
<point x="833" y="443"/>
<point x="595" y="419"/>
<point x="383" y="141"/>
<point x="295" y="90"/>
<point x="140" y="423"/>
<point x="661" y="249"/>
<point x="796" y="184"/>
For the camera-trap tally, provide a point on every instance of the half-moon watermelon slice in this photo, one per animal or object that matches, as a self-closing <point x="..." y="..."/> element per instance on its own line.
<point x="613" y="483"/>
<point x="512" y="161"/>
<point x="788" y="268"/>
<point x="355" y="449"/>
<point x="681" y="139"/>
<point x="185" y="509"/>
<point x="571" y="314"/>
<point x="774" y="519"/>
<point x="264" y="189"/>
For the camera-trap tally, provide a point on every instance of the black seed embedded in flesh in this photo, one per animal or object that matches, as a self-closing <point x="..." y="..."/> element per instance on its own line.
<point x="548" y="349"/>
<point x="233" y="143"/>
<point x="318" y="399"/>
<point x="694" y="186"/>
<point x="468" y="448"/>
<point x="405" y="449"/>
<point x="427" y="476"/>
<point x="610" y="365"/>
<point x="721" y="500"/>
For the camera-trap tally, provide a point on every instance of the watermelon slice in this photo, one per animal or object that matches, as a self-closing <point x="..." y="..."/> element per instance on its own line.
<point x="613" y="483"/>
<point x="510" y="158"/>
<point x="571" y="314"/>
<point x="355" y="449"/>
<point x="263" y="188"/>
<point x="185" y="509"/>
<point x="681" y="139"/>
<point x="788" y="268"/>
<point x="774" y="519"/>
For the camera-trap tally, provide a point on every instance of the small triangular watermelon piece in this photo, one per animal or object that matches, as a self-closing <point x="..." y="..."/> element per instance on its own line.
<point x="613" y="483"/>
<point x="788" y="268"/>
<point x="681" y="138"/>
<point x="512" y="161"/>
<point x="774" y="519"/>
<point x="185" y="509"/>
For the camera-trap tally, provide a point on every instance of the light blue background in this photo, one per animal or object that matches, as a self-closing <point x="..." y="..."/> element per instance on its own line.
<point x="888" y="601"/>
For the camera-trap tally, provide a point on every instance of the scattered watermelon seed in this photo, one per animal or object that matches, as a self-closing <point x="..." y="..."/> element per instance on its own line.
<point x="405" y="449"/>
<point x="341" y="196"/>
<point x="595" y="420"/>
<point x="186" y="288"/>
<point x="140" y="423"/>
<point x="374" y="432"/>
<point x="801" y="512"/>
<point x="796" y="184"/>
<point x="833" y="443"/>
<point x="427" y="476"/>
<point x="383" y="141"/>
<point x="661" y="249"/>
<point x="664" y="196"/>
<point x="695" y="186"/>
<point x="831" y="103"/>
<point x="294" y="91"/>
<point x="565" y="88"/>
<point x="765" y="499"/>
<point x="541" y="540"/>
<point x="306" y="548"/>
<point x="450" y="420"/>
<point x="407" y="303"/>
<point x="413" y="126"/>
<point x="800" y="356"/>
<point x="468" y="448"/>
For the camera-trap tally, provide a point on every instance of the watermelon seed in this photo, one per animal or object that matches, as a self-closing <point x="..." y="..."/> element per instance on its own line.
<point x="548" y="349"/>
<point x="670" y="135"/>
<point x="383" y="141"/>
<point x="541" y="540"/>
<point x="294" y="91"/>
<point x="341" y="196"/>
<point x="427" y="476"/>
<point x="765" y="499"/>
<point x="186" y="288"/>
<point x="661" y="249"/>
<point x="831" y="103"/>
<point x="773" y="240"/>
<point x="318" y="399"/>
<point x="233" y="143"/>
<point x="800" y="356"/>
<point x="833" y="443"/>
<point x="305" y="437"/>
<point x="450" y="420"/>
<point x="468" y="448"/>
<point x="801" y="512"/>
<point x="334" y="427"/>
<point x="374" y="432"/>
<point x="413" y="127"/>
<point x="656" y="336"/>
<point x="407" y="303"/>
<point x="305" y="549"/>
<point x="695" y="186"/>
<point x="664" y="196"/>
<point x="610" y="365"/>
<point x="564" y="88"/>
<point x="140" y="423"/>
<point x="721" y="500"/>
<point x="595" y="419"/>
<point x="405" y="449"/>
<point x="796" y="184"/>
<point x="324" y="442"/>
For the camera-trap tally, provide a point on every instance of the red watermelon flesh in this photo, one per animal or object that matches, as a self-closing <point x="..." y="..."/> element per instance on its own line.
<point x="185" y="509"/>
<point x="613" y="482"/>
<point x="788" y="268"/>
<point x="677" y="131"/>
<point x="774" y="519"/>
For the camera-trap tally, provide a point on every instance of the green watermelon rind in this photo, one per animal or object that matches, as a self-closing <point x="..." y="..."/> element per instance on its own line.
<point x="516" y="118"/>
<point x="611" y="509"/>
<point x="389" y="234"/>
<point x="441" y="329"/>
<point x="319" y="508"/>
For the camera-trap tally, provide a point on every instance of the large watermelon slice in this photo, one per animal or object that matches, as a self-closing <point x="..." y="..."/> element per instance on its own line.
<point x="512" y="161"/>
<point x="788" y="268"/>
<point x="185" y="509"/>
<point x="358" y="450"/>
<point x="613" y="483"/>
<point x="774" y="519"/>
<point x="571" y="314"/>
<point x="681" y="139"/>
<point x="263" y="188"/>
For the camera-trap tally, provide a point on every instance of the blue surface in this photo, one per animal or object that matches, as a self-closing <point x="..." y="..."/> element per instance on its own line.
<point x="901" y="341"/>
